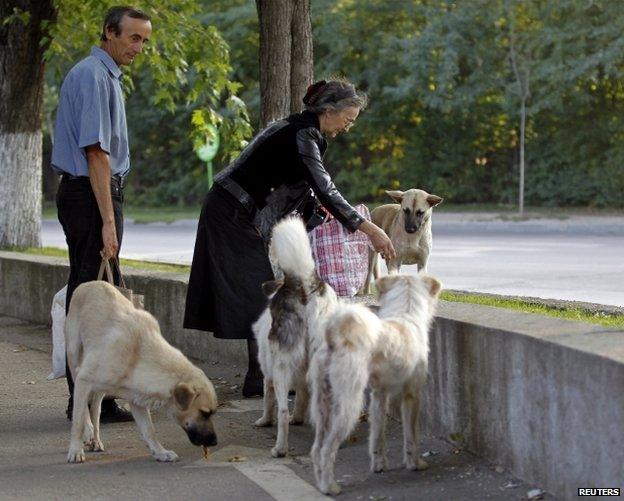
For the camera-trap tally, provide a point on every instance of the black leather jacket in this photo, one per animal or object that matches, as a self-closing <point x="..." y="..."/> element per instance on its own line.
<point x="281" y="171"/>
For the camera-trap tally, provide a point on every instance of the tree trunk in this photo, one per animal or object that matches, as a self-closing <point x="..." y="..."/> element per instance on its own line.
<point x="285" y="56"/>
<point x="21" y="88"/>
<point x="275" y="52"/>
<point x="302" y="61"/>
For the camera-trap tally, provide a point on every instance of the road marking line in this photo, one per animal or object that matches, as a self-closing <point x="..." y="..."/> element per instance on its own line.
<point x="247" y="405"/>
<point x="279" y="481"/>
<point x="270" y="474"/>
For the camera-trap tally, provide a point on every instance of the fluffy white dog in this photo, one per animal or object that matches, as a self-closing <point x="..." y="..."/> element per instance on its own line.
<point x="390" y="354"/>
<point x="288" y="331"/>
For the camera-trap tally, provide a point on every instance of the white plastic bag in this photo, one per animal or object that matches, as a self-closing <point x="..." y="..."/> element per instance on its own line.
<point x="58" y="334"/>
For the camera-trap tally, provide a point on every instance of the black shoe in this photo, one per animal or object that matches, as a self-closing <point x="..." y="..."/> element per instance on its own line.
<point x="112" y="413"/>
<point x="253" y="387"/>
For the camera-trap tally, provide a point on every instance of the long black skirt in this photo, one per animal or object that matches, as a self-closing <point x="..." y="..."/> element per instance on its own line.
<point x="230" y="263"/>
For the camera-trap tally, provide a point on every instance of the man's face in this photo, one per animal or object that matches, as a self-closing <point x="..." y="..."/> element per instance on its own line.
<point x="134" y="34"/>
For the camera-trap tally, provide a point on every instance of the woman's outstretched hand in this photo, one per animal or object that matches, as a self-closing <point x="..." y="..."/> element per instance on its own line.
<point x="379" y="240"/>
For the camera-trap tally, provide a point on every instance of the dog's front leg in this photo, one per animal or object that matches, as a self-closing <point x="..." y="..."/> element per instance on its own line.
<point x="302" y="400"/>
<point x="377" y="433"/>
<point x="269" y="404"/>
<point x="93" y="442"/>
<point x="82" y="390"/>
<point x="281" y="384"/>
<point x="373" y="272"/>
<point x="394" y="266"/>
<point x="143" y="420"/>
<point x="410" y="409"/>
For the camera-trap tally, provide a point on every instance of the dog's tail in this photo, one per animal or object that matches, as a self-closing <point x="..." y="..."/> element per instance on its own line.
<point x="290" y="247"/>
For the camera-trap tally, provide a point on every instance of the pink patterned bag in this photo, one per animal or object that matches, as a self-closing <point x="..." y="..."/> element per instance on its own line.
<point x="341" y="257"/>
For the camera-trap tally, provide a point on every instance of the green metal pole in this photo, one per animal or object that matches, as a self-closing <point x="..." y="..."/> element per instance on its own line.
<point x="209" y="170"/>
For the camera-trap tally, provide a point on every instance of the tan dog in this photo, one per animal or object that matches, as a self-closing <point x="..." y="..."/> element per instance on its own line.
<point x="408" y="224"/>
<point x="116" y="349"/>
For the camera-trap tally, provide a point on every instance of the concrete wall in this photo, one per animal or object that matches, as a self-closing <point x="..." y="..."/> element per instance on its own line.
<point x="539" y="396"/>
<point x="28" y="284"/>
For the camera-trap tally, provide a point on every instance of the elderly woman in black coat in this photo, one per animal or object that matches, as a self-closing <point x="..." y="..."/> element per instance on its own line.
<point x="280" y="171"/>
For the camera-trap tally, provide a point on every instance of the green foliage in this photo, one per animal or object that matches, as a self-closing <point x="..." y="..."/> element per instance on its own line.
<point x="444" y="108"/>
<point x="184" y="71"/>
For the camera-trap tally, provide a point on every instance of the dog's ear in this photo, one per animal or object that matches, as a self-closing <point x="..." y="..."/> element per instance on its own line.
<point x="396" y="195"/>
<point x="183" y="395"/>
<point x="384" y="284"/>
<point x="434" y="200"/>
<point x="434" y="286"/>
<point x="271" y="287"/>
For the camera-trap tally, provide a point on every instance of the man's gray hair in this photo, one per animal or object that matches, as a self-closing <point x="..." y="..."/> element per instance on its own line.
<point x="335" y="95"/>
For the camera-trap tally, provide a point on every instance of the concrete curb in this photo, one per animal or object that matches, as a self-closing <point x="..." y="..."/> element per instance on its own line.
<point x="540" y="396"/>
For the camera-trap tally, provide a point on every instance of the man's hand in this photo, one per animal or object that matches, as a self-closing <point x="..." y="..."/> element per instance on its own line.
<point x="109" y="238"/>
<point x="379" y="240"/>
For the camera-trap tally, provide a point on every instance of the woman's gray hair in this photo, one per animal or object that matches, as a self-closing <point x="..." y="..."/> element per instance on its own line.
<point x="335" y="95"/>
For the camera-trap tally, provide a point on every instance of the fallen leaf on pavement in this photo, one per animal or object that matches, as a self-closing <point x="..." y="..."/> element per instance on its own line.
<point x="535" y="494"/>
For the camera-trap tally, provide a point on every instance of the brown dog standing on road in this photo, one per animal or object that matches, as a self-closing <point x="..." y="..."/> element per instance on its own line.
<point x="408" y="224"/>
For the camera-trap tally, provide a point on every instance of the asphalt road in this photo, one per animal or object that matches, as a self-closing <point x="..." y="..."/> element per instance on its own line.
<point x="34" y="437"/>
<point x="575" y="258"/>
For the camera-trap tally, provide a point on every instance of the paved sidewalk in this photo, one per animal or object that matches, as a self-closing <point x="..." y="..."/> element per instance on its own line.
<point x="34" y="436"/>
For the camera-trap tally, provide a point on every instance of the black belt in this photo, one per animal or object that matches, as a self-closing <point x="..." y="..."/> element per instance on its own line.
<point x="116" y="179"/>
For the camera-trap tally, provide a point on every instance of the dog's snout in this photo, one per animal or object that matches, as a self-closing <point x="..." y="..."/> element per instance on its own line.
<point x="201" y="438"/>
<point x="411" y="227"/>
<point x="212" y="440"/>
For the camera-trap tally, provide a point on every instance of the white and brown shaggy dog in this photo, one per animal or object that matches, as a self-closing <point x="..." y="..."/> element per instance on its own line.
<point x="390" y="354"/>
<point x="114" y="348"/>
<point x="288" y="331"/>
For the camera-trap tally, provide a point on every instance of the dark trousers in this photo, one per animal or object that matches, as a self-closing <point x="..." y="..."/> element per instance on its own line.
<point x="80" y="218"/>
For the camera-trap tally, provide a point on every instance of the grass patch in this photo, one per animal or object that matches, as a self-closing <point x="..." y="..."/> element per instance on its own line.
<point x="143" y="215"/>
<point x="170" y="214"/>
<point x="601" y="318"/>
<point x="127" y="263"/>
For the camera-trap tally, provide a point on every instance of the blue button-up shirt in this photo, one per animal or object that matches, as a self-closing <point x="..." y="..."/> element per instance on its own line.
<point x="91" y="111"/>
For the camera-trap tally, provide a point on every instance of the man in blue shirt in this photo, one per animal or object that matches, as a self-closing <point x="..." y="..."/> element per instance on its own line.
<point x="91" y="154"/>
